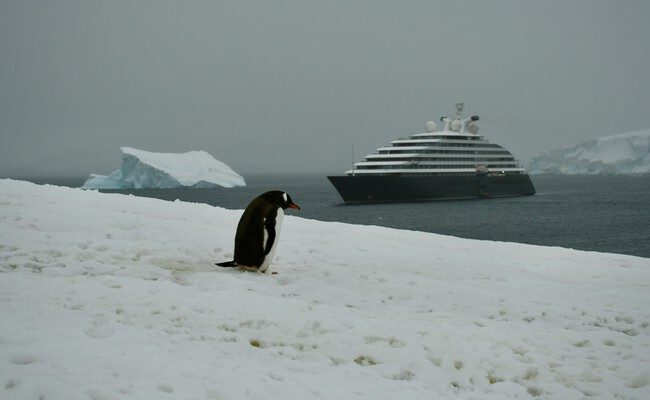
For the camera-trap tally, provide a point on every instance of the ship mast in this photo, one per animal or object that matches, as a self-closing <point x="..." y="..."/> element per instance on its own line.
<point x="459" y="110"/>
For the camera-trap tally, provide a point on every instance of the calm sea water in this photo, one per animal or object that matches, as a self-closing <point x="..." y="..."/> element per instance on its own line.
<point x="600" y="213"/>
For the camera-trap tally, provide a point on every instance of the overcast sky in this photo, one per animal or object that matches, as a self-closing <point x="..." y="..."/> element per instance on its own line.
<point x="291" y="86"/>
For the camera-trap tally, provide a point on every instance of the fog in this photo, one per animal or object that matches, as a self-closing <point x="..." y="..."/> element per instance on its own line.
<point x="292" y="86"/>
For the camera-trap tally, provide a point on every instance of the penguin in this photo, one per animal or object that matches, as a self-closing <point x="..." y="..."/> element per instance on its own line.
<point x="258" y="231"/>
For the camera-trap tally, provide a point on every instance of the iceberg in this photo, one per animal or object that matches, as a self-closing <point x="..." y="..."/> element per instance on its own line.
<point x="146" y="170"/>
<point x="626" y="153"/>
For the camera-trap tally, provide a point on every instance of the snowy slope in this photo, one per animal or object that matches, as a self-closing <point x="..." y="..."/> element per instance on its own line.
<point x="144" y="169"/>
<point x="105" y="296"/>
<point x="627" y="153"/>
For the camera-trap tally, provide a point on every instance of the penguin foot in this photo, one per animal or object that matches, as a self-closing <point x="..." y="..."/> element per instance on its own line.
<point x="227" y="264"/>
<point x="248" y="268"/>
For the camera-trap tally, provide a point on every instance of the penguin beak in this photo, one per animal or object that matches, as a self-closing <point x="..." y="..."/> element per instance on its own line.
<point x="294" y="205"/>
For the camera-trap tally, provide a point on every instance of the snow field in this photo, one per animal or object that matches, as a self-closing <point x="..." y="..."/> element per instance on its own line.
<point x="105" y="296"/>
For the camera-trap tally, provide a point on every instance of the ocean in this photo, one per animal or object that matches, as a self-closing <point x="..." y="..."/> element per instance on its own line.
<point x="596" y="213"/>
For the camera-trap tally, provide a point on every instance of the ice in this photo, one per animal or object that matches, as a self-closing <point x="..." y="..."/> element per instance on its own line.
<point x="627" y="153"/>
<point x="107" y="296"/>
<point x="143" y="169"/>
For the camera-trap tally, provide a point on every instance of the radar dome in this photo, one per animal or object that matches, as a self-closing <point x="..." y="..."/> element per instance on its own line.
<point x="455" y="125"/>
<point x="430" y="126"/>
<point x="473" y="127"/>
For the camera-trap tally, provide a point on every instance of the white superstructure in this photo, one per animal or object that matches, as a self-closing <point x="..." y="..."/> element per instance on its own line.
<point x="457" y="149"/>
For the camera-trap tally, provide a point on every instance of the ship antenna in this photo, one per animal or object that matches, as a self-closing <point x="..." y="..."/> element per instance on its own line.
<point x="459" y="110"/>
<point x="352" y="155"/>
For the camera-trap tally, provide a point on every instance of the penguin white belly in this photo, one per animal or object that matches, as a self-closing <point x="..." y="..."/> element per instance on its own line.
<point x="269" y="257"/>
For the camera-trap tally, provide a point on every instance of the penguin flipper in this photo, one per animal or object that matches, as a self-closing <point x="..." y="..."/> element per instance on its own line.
<point x="227" y="264"/>
<point x="269" y="226"/>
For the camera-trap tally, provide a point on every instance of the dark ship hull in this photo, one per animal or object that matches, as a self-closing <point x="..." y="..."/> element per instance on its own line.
<point x="392" y="188"/>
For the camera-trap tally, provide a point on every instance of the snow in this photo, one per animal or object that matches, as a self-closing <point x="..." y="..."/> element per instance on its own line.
<point x="143" y="169"/>
<point x="626" y="153"/>
<point x="107" y="296"/>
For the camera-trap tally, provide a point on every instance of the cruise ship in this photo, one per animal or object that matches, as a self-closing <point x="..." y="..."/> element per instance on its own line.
<point x="454" y="162"/>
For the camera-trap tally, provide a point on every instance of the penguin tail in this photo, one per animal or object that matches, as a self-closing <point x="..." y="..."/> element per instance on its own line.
<point x="227" y="264"/>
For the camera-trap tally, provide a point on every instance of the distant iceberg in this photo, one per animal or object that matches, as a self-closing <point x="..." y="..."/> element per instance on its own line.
<point x="626" y="153"/>
<point x="144" y="169"/>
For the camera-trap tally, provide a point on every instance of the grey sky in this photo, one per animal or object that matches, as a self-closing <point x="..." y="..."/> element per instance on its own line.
<point x="277" y="86"/>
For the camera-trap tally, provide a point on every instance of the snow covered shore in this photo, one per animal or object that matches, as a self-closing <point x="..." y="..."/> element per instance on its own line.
<point x="106" y="296"/>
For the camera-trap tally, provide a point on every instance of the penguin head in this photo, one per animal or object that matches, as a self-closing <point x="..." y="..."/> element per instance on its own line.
<point x="282" y="199"/>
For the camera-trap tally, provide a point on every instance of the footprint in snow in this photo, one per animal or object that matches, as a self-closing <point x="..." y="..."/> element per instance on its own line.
<point x="404" y="375"/>
<point x="22" y="359"/>
<point x="12" y="383"/>
<point x="99" y="331"/>
<point x="165" y="388"/>
<point x="625" y="318"/>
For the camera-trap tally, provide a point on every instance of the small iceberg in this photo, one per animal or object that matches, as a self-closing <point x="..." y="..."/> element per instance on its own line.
<point x="147" y="170"/>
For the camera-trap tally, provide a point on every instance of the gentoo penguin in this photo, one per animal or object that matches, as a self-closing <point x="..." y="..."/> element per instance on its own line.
<point x="258" y="231"/>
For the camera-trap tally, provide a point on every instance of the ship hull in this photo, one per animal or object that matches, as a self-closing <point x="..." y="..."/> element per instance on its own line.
<point x="387" y="188"/>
